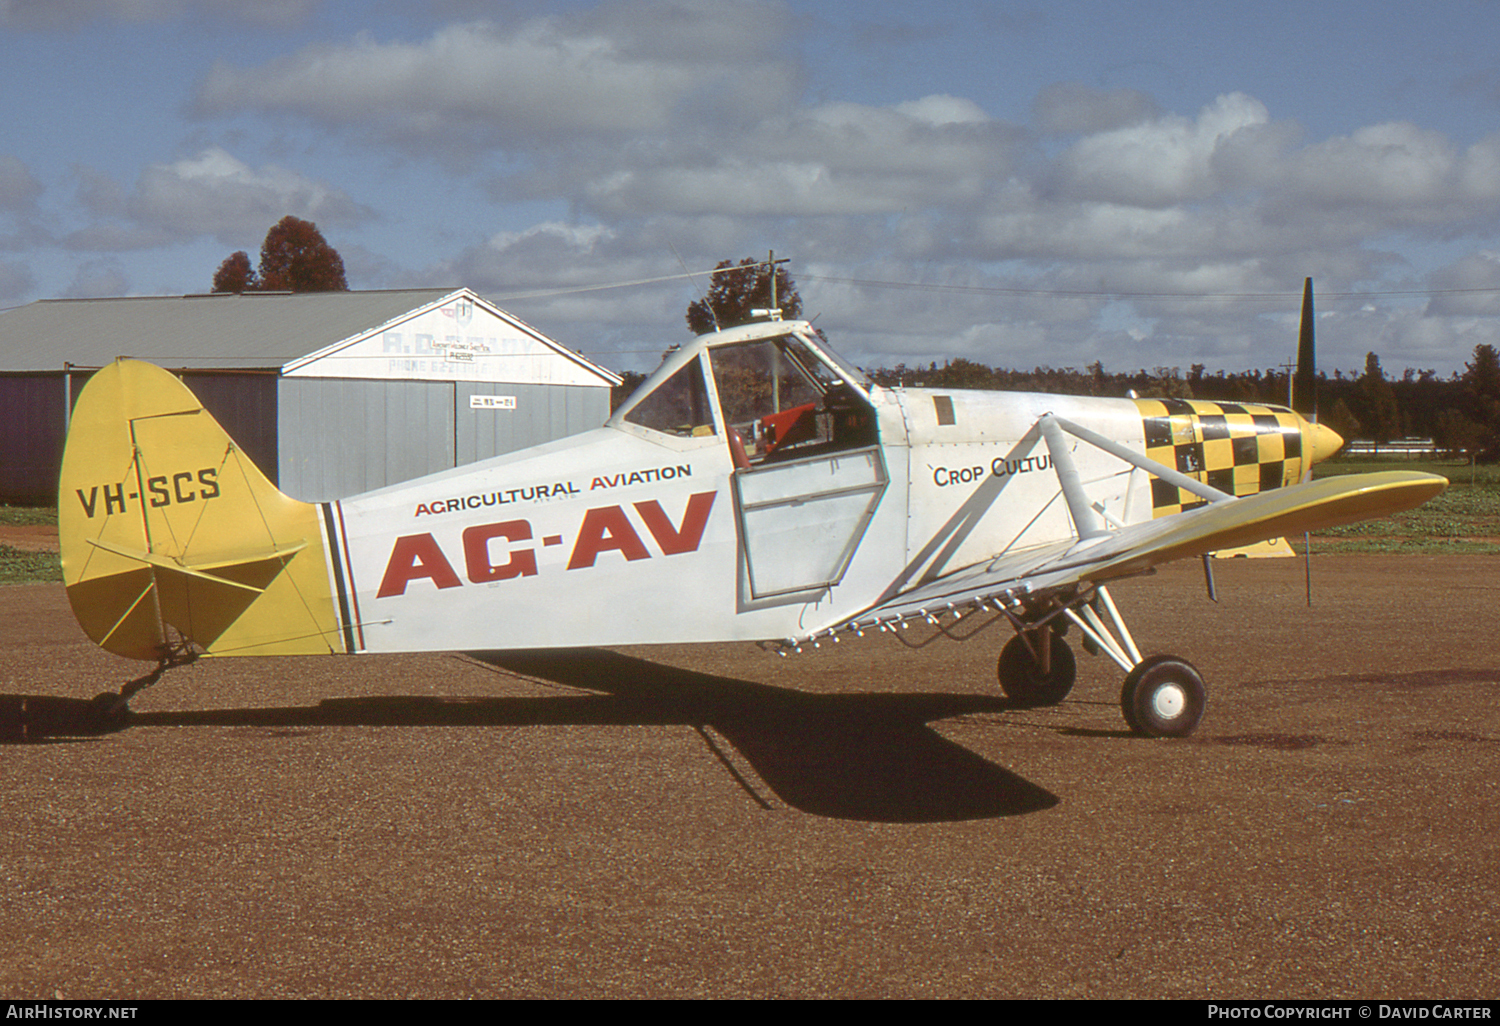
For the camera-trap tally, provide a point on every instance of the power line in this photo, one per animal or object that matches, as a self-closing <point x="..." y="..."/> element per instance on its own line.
<point x="1001" y="290"/>
<point x="572" y="289"/>
<point x="1109" y="294"/>
<point x="996" y="290"/>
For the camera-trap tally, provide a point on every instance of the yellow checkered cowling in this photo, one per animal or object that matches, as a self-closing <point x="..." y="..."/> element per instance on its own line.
<point x="1234" y="447"/>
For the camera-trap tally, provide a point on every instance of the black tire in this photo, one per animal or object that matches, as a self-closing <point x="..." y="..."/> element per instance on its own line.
<point x="1163" y="697"/>
<point x="1022" y="679"/>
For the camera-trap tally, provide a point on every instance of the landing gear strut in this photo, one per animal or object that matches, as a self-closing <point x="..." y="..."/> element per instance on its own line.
<point x="111" y="708"/>
<point x="1163" y="696"/>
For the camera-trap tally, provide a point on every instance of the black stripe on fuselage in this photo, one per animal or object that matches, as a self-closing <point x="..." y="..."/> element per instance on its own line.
<point x="341" y="586"/>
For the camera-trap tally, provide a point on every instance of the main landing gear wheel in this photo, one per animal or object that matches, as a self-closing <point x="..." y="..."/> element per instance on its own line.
<point x="1163" y="697"/>
<point x="1021" y="676"/>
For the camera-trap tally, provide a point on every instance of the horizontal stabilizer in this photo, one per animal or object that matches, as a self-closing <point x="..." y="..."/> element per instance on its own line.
<point x="251" y="565"/>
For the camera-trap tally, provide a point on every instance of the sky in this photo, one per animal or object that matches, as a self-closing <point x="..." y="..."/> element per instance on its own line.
<point x="1022" y="184"/>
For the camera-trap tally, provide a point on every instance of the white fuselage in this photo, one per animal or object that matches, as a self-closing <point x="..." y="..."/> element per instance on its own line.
<point x="626" y="536"/>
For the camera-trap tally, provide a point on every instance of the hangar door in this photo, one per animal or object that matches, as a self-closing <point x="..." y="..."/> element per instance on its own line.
<point x="340" y="437"/>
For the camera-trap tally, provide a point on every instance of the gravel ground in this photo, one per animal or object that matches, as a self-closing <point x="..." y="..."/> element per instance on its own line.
<point x="866" y="820"/>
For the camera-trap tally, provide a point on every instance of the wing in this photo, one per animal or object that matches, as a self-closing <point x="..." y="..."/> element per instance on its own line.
<point x="1312" y="506"/>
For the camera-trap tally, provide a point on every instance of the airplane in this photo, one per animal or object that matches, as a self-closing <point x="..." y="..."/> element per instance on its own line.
<point x="757" y="487"/>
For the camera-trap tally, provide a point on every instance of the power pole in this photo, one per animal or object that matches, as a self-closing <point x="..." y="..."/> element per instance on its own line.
<point x="774" y="311"/>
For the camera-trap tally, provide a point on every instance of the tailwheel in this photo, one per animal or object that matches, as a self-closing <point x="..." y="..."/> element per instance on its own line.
<point x="1022" y="677"/>
<point x="110" y="708"/>
<point x="1163" y="697"/>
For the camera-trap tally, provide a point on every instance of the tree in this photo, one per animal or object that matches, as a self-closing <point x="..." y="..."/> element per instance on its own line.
<point x="1483" y="375"/>
<point x="738" y="290"/>
<point x="629" y="382"/>
<point x="1098" y="381"/>
<point x="1378" y="413"/>
<point x="1166" y="383"/>
<point x="1479" y="423"/>
<point x="294" y="258"/>
<point x="236" y="275"/>
<point x="1458" y="436"/>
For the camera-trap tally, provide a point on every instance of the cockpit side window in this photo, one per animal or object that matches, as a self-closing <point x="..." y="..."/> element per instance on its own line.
<point x="781" y="402"/>
<point x="678" y="406"/>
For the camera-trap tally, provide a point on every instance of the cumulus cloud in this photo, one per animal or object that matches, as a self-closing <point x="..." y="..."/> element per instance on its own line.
<point x="551" y="275"/>
<point x="1399" y="176"/>
<point x="1140" y="203"/>
<point x="644" y="127"/>
<point x="1162" y="162"/>
<point x="212" y="194"/>
<point x="617" y="71"/>
<point x="1469" y="287"/>
<point x="548" y="257"/>
<point x="838" y="159"/>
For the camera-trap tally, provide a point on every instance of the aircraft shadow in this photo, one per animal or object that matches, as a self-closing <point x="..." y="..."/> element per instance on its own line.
<point x="869" y="757"/>
<point x="863" y="756"/>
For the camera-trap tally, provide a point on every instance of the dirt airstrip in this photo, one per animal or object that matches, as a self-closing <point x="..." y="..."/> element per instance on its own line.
<point x="29" y="537"/>
<point x="863" y="820"/>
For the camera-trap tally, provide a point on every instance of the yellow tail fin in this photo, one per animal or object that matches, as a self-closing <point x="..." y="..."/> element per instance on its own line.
<point x="173" y="542"/>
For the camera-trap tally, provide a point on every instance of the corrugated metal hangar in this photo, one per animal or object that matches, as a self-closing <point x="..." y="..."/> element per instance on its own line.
<point x="331" y="393"/>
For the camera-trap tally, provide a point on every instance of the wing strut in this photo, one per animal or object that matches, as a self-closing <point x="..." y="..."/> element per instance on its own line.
<point x="1046" y="590"/>
<point x="1135" y="459"/>
<point x="1086" y="521"/>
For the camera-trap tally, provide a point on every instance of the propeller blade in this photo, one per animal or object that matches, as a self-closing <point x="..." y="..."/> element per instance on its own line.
<point x="1304" y="386"/>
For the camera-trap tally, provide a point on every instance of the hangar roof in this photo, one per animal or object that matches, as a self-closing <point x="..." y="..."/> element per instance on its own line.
<point x="265" y="330"/>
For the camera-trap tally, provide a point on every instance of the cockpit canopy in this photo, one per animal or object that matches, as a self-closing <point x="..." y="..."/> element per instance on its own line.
<point x="774" y="391"/>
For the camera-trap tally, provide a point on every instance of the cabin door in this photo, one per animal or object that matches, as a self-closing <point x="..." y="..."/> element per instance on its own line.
<point x="800" y="522"/>
<point x="808" y="466"/>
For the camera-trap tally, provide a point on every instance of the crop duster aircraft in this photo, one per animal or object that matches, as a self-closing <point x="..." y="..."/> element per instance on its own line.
<point x="755" y="488"/>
